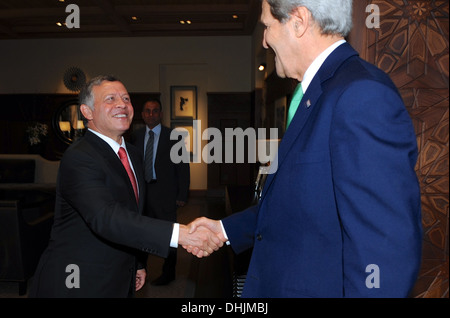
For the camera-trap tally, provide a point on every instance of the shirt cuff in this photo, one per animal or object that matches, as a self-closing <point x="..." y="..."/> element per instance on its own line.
<point x="175" y="234"/>
<point x="224" y="233"/>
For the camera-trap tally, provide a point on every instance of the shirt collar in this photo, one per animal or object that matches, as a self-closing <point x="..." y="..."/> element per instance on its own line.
<point x="111" y="142"/>
<point x="317" y="63"/>
<point x="156" y="130"/>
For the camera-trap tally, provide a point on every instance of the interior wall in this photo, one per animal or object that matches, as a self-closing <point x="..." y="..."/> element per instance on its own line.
<point x="145" y="65"/>
<point x="38" y="66"/>
<point x="188" y="75"/>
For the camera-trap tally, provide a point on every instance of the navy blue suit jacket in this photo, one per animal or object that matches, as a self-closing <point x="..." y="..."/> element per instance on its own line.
<point x="345" y="194"/>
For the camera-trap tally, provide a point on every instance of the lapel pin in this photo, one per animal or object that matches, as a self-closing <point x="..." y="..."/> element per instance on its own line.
<point x="308" y="103"/>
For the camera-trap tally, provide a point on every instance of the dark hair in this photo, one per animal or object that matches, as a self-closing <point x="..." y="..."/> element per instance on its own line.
<point x="154" y="100"/>
<point x="86" y="97"/>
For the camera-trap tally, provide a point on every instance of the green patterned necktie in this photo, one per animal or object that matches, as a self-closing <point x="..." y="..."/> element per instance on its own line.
<point x="295" y="102"/>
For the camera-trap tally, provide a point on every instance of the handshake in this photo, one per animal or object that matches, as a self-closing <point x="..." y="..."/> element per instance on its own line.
<point x="201" y="237"/>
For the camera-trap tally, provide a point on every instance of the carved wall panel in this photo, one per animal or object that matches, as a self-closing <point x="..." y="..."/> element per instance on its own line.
<point x="412" y="45"/>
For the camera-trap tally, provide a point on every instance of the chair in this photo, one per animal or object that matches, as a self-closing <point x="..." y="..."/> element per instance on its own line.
<point x="25" y="225"/>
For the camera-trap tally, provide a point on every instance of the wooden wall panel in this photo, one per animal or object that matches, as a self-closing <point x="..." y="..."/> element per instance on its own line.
<point x="230" y="110"/>
<point x="19" y="111"/>
<point x="412" y="46"/>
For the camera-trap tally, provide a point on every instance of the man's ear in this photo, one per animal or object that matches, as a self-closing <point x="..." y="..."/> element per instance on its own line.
<point x="86" y="111"/>
<point x="300" y="19"/>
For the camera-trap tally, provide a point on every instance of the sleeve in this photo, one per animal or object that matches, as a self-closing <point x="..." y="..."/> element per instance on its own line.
<point x="88" y="188"/>
<point x="374" y="152"/>
<point x="240" y="228"/>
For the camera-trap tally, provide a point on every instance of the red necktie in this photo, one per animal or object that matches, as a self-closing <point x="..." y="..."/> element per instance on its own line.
<point x="124" y="158"/>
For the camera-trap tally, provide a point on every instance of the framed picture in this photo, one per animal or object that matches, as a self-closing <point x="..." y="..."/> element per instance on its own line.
<point x="183" y="100"/>
<point x="186" y="130"/>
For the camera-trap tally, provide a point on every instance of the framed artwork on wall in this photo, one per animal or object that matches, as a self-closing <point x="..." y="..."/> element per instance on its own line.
<point x="185" y="130"/>
<point x="183" y="101"/>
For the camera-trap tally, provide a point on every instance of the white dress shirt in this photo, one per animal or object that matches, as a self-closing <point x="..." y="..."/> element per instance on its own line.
<point x="115" y="147"/>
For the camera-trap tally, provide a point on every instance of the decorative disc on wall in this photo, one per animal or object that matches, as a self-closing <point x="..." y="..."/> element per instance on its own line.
<point x="74" y="79"/>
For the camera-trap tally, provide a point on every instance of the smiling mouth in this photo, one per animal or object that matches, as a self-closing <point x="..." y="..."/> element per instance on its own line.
<point x="120" y="116"/>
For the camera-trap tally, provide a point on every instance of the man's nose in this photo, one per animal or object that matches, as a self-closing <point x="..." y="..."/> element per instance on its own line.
<point x="120" y="103"/>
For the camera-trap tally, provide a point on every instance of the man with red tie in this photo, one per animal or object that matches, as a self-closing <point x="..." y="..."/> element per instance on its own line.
<point x="100" y="238"/>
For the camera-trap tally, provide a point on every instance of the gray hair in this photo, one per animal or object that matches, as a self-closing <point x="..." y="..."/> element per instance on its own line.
<point x="332" y="16"/>
<point x="86" y="97"/>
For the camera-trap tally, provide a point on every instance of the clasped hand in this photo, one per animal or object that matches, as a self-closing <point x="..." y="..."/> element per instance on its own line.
<point x="201" y="237"/>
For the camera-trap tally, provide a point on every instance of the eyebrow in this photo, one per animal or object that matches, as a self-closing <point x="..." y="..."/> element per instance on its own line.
<point x="114" y="94"/>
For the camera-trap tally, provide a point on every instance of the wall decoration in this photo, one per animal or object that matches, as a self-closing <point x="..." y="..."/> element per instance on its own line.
<point x="68" y="122"/>
<point x="74" y="79"/>
<point x="186" y="130"/>
<point x="183" y="100"/>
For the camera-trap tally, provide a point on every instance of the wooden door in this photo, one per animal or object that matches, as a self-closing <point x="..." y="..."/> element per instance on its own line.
<point x="230" y="110"/>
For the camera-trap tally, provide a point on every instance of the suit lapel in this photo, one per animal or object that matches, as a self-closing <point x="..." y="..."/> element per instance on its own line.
<point x="105" y="151"/>
<point x="304" y="110"/>
<point x="294" y="131"/>
<point x="307" y="105"/>
<point x="113" y="161"/>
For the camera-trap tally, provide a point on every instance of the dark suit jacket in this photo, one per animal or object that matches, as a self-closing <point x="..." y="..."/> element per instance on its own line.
<point x="98" y="225"/>
<point x="173" y="179"/>
<point x="345" y="194"/>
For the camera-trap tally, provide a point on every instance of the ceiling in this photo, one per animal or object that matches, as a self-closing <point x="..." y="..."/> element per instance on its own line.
<point x="35" y="19"/>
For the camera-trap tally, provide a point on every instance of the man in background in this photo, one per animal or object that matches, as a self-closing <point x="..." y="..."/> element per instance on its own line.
<point x="167" y="182"/>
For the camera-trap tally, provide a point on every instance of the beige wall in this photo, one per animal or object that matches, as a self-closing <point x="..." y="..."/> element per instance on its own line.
<point x="188" y="75"/>
<point x="213" y="64"/>
<point x="38" y="66"/>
